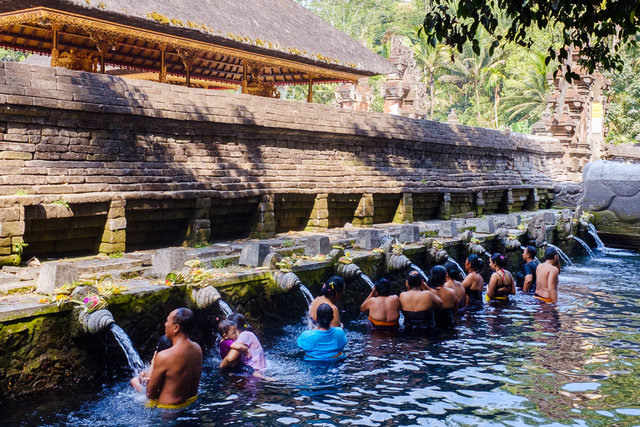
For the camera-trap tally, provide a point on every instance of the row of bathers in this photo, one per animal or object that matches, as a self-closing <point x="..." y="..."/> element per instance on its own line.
<point x="155" y="404"/>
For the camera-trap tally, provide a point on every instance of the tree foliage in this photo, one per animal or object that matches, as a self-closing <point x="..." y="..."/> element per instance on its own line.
<point x="599" y="28"/>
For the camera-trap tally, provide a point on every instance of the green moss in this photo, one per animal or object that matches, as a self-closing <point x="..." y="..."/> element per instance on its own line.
<point x="158" y="17"/>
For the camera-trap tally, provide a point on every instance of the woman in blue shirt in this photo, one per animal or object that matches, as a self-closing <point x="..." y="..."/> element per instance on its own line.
<point x="325" y="343"/>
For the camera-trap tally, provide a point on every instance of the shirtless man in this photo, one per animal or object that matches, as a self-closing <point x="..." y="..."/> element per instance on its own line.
<point x="177" y="370"/>
<point x="547" y="277"/>
<point x="383" y="308"/>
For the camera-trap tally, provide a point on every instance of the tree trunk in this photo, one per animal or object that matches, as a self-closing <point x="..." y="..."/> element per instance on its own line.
<point x="432" y="90"/>
<point x="496" y="101"/>
<point x="475" y="87"/>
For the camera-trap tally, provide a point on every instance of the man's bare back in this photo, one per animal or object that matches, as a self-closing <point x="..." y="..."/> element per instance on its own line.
<point x="547" y="278"/>
<point x="177" y="370"/>
<point x="383" y="308"/>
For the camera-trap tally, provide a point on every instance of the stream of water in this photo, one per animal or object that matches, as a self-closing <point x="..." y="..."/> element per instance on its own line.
<point x="135" y="363"/>
<point x="585" y="246"/>
<point x="462" y="273"/>
<point x="419" y="270"/>
<point x="225" y="308"/>
<point x="575" y="363"/>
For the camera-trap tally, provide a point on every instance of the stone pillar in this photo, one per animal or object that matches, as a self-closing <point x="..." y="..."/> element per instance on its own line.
<point x="265" y="225"/>
<point x="319" y="218"/>
<point x="12" y="226"/>
<point x="199" y="230"/>
<point x="478" y="203"/>
<point x="404" y="213"/>
<point x="533" y="201"/>
<point x="444" y="211"/>
<point x="114" y="236"/>
<point x="363" y="216"/>
<point x="507" y="202"/>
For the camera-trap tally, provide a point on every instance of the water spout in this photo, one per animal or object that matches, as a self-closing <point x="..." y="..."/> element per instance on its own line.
<point x="399" y="262"/>
<point x="204" y="297"/>
<point x="594" y="233"/>
<point x="564" y="257"/>
<point x="286" y="281"/>
<point x="307" y="294"/>
<point x="348" y="271"/>
<point x="462" y="273"/>
<point x="135" y="363"/>
<point x="95" y="322"/>
<point x="367" y="280"/>
<point x="585" y="246"/>
<point x="476" y="249"/>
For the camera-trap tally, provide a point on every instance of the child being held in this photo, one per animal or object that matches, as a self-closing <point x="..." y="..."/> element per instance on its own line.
<point x="240" y="349"/>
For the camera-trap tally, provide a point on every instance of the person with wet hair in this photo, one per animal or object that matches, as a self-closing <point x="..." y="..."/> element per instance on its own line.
<point x="453" y="282"/>
<point x="383" y="308"/>
<point x="177" y="370"/>
<point x="326" y="343"/>
<point x="473" y="283"/>
<point x="443" y="315"/>
<point x="547" y="277"/>
<point x="417" y="304"/>
<point x="331" y="292"/>
<point x="526" y="279"/>
<point x="501" y="283"/>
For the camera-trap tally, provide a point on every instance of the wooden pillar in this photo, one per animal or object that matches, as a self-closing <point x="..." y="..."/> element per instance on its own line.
<point x="244" y="77"/>
<point x="163" y="65"/>
<point x="310" y="93"/>
<point x="188" y="58"/>
<point x="54" y="46"/>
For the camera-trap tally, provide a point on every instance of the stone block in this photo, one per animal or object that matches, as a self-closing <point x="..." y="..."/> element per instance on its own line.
<point x="549" y="218"/>
<point x="11" y="228"/>
<point x="254" y="253"/>
<point x="116" y="224"/>
<point x="114" y="236"/>
<point x="13" y="259"/>
<point x="317" y="245"/>
<point x="111" y="248"/>
<point x="54" y="275"/>
<point x="368" y="239"/>
<point x="165" y="261"/>
<point x="10" y="214"/>
<point x="485" y="225"/>
<point x="447" y="229"/>
<point x="512" y="221"/>
<point x="409" y="234"/>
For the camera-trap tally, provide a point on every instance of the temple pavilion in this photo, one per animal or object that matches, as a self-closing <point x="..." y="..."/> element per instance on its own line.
<point x="255" y="45"/>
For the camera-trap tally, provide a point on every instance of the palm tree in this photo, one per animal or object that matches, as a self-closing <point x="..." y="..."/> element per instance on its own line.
<point x="527" y="96"/>
<point x="469" y="70"/>
<point x="494" y="79"/>
<point x="431" y="60"/>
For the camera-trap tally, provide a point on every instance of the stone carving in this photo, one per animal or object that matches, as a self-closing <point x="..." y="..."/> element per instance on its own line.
<point x="205" y="297"/>
<point x="612" y="192"/>
<point x="568" y="194"/>
<point x="564" y="223"/>
<point x="537" y="229"/>
<point x="404" y="93"/>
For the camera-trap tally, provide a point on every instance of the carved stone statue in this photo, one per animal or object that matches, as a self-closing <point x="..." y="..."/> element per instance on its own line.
<point x="537" y="229"/>
<point x="564" y="223"/>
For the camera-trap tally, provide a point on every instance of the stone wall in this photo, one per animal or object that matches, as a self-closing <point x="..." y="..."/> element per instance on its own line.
<point x="623" y="153"/>
<point x="116" y="164"/>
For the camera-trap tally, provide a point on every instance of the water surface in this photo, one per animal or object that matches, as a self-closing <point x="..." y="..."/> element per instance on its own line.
<point x="524" y="364"/>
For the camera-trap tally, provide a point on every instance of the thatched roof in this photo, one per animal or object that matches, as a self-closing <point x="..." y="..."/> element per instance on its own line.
<point x="278" y="28"/>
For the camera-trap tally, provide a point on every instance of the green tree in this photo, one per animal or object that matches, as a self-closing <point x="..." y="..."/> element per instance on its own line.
<point x="598" y="28"/>
<point x="431" y="60"/>
<point x="11" y="55"/>
<point x="525" y="96"/>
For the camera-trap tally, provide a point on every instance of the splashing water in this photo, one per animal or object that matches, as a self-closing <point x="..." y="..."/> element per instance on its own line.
<point x="462" y="273"/>
<point x="585" y="246"/>
<point x="419" y="270"/>
<point x="594" y="233"/>
<point x="307" y="294"/>
<point x="367" y="280"/>
<point x="564" y="257"/>
<point x="225" y="308"/>
<point x="135" y="363"/>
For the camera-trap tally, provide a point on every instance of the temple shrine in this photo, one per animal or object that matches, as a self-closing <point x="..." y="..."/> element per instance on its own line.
<point x="252" y="45"/>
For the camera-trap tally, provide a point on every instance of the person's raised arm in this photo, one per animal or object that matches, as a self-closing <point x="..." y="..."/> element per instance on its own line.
<point x="367" y="302"/>
<point x="241" y="347"/>
<point x="158" y="375"/>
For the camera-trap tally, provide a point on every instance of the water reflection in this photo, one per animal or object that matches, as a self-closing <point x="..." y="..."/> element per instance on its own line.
<point x="524" y="363"/>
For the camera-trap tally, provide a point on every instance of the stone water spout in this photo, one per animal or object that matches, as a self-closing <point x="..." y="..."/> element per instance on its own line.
<point x="564" y="225"/>
<point x="477" y="249"/>
<point x="509" y="243"/>
<point x="287" y="281"/>
<point x="95" y="322"/>
<point x="205" y="297"/>
<point x="439" y="254"/>
<point x="348" y="271"/>
<point x="398" y="262"/>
